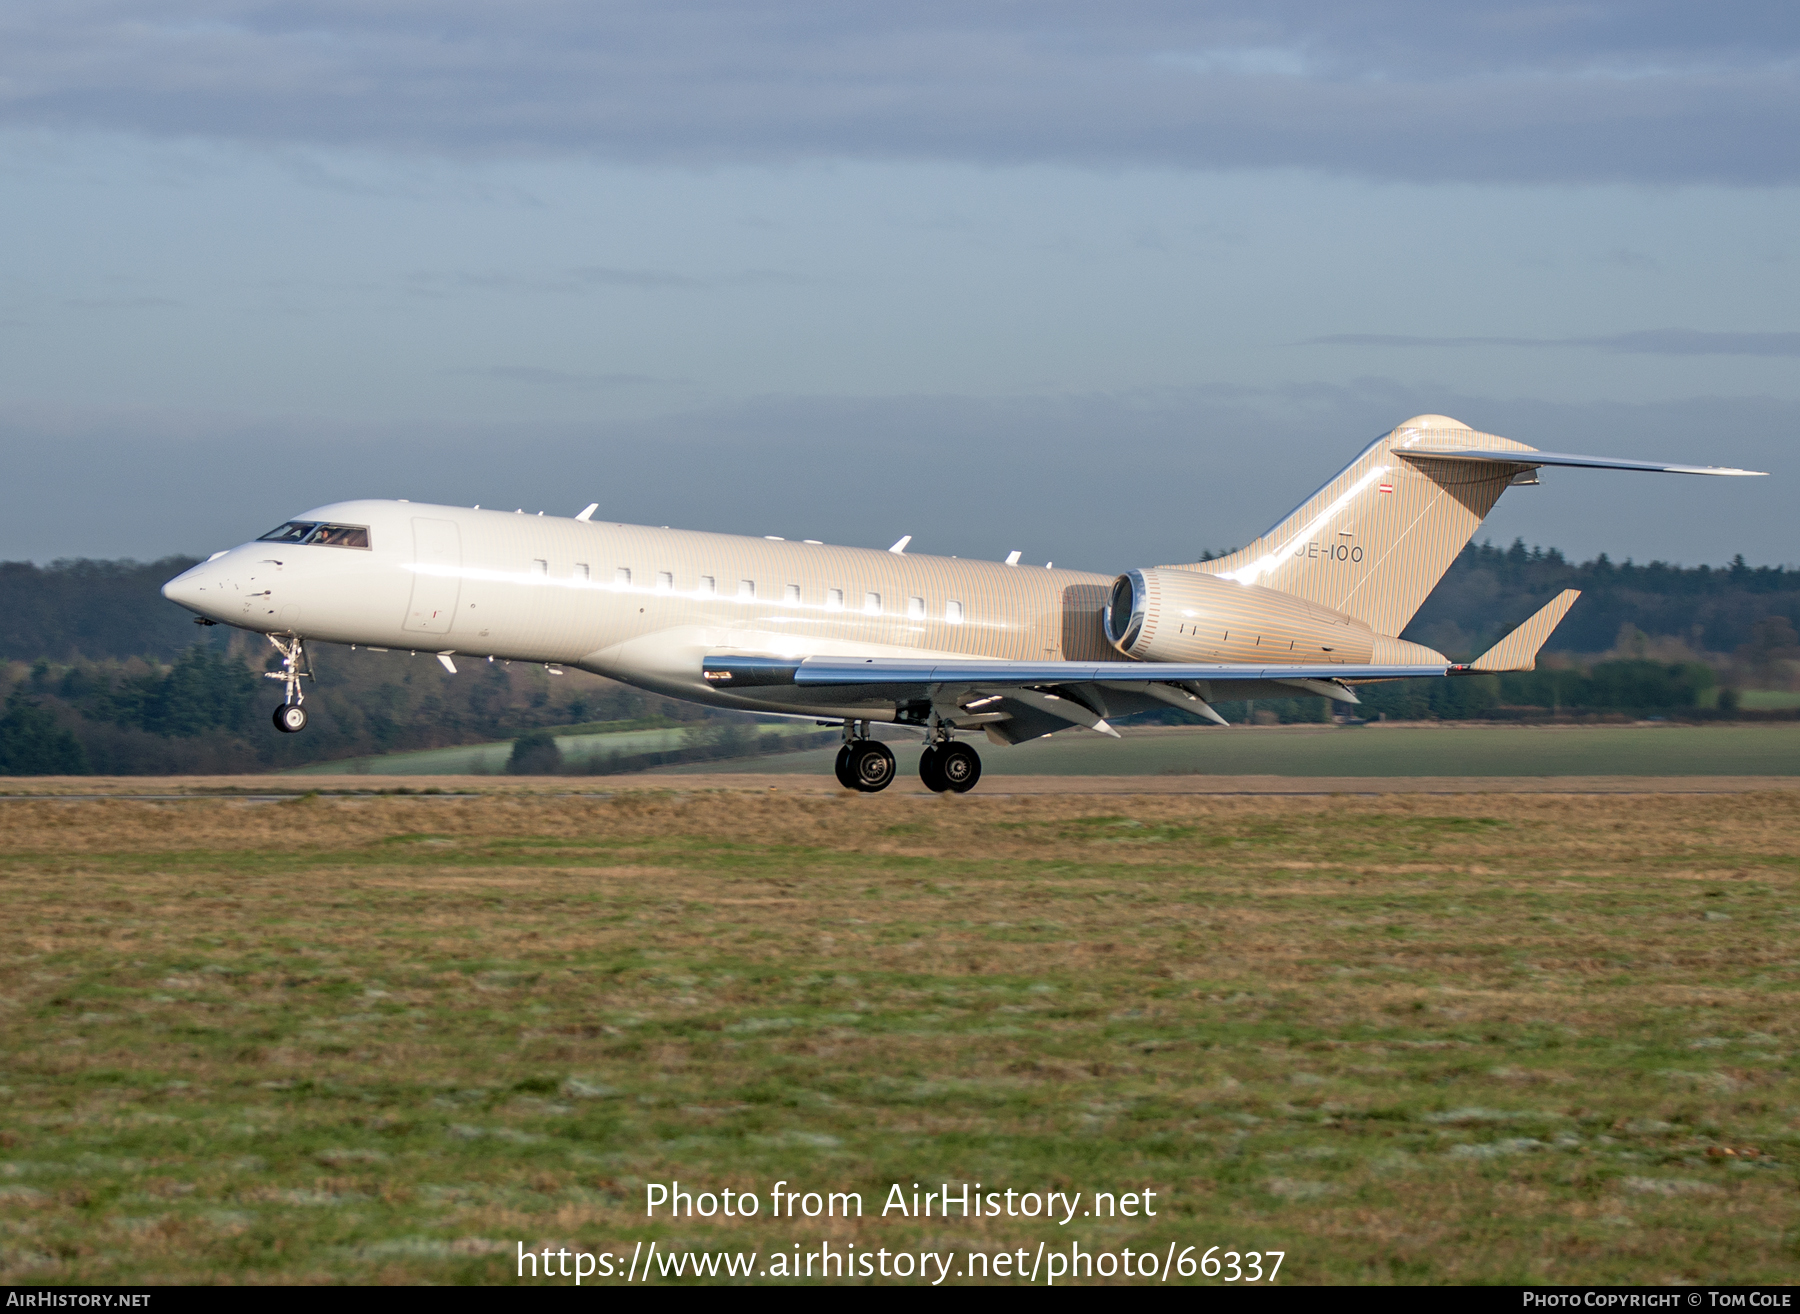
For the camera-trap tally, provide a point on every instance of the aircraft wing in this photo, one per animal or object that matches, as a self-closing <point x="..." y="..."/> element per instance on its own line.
<point x="1015" y="701"/>
<point x="1563" y="458"/>
<point x="743" y="672"/>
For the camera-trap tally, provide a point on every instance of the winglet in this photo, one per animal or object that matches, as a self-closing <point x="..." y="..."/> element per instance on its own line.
<point x="591" y="508"/>
<point x="1518" y="651"/>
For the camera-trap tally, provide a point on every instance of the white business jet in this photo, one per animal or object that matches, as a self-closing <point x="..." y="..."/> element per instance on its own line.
<point x="858" y="636"/>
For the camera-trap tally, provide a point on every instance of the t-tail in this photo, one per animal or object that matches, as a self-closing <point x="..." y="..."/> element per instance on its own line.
<point x="1375" y="541"/>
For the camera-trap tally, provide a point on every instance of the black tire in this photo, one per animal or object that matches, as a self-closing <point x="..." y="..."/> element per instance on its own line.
<point x="842" y="766"/>
<point x="290" y="718"/>
<point x="871" y="767"/>
<point x="931" y="769"/>
<point x="960" y="766"/>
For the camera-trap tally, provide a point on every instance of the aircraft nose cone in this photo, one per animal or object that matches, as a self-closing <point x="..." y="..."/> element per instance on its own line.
<point x="188" y="589"/>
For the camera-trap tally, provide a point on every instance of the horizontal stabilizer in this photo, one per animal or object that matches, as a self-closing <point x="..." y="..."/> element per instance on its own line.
<point x="1518" y="651"/>
<point x="1531" y="458"/>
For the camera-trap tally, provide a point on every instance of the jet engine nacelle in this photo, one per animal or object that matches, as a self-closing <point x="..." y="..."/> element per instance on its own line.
<point x="1170" y="615"/>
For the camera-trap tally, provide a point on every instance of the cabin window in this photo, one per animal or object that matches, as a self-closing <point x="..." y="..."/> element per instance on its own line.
<point x="581" y="571"/>
<point x="540" y="567"/>
<point x="872" y="603"/>
<point x="665" y="581"/>
<point x="746" y="588"/>
<point x="915" y="608"/>
<point x="953" y="612"/>
<point x="834" y="599"/>
<point x="708" y="586"/>
<point x="622" y="577"/>
<point x="792" y="596"/>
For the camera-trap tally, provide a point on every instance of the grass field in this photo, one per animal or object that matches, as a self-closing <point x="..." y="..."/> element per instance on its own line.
<point x="1448" y="750"/>
<point x="1402" y="1039"/>
<point x="1769" y="699"/>
<point x="490" y="759"/>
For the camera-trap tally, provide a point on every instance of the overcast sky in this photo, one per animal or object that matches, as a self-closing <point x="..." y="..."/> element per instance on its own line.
<point x="1107" y="284"/>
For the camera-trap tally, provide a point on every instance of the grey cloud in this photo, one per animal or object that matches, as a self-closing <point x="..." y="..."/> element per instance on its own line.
<point x="1648" y="342"/>
<point x="1518" y="90"/>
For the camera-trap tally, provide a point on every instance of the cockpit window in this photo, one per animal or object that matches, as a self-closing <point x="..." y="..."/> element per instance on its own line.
<point x="356" y="536"/>
<point x="318" y="535"/>
<point x="295" y="531"/>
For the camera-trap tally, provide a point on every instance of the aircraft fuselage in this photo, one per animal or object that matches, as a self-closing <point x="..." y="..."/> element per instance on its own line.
<point x="645" y="605"/>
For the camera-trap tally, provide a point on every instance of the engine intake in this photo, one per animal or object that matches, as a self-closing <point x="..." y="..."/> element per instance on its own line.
<point x="1123" y="615"/>
<point x="1170" y="615"/>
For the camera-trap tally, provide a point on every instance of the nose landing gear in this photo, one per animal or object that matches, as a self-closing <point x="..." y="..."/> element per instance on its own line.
<point x="290" y="718"/>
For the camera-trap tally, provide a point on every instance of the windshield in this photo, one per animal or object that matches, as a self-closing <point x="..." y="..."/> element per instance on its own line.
<point x="295" y="531"/>
<point x="318" y="535"/>
<point x="356" y="536"/>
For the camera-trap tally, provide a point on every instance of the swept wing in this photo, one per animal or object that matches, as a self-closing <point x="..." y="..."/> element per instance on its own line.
<point x="739" y="672"/>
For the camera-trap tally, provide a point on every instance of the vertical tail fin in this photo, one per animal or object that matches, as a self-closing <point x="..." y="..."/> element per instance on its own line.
<point x="1375" y="541"/>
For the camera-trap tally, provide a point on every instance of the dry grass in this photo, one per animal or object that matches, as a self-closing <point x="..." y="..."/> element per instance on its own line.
<point x="1416" y="1038"/>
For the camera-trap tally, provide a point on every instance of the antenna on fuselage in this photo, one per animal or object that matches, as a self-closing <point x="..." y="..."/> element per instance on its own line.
<point x="1012" y="558"/>
<point x="899" y="549"/>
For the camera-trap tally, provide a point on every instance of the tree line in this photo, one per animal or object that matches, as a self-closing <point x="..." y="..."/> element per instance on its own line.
<point x="100" y="674"/>
<point x="1708" y="609"/>
<point x="207" y="711"/>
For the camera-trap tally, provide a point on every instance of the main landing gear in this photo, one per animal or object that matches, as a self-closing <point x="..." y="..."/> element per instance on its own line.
<point x="290" y="717"/>
<point x="867" y="765"/>
<point x="864" y="764"/>
<point x="949" y="765"/>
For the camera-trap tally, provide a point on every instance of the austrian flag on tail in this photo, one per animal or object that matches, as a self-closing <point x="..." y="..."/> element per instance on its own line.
<point x="1387" y="488"/>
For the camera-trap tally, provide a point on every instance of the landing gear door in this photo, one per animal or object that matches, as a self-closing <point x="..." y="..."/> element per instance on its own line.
<point x="437" y="576"/>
